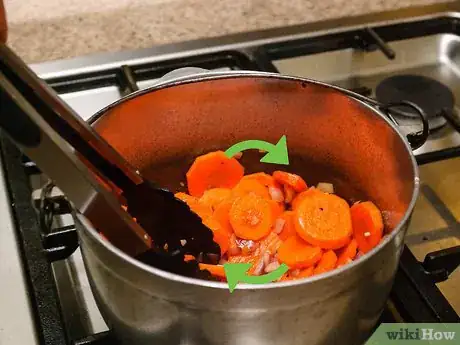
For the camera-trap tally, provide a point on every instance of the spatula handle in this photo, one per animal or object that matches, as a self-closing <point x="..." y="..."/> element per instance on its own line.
<point x="30" y="113"/>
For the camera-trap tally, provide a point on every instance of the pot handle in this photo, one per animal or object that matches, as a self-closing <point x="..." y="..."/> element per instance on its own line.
<point x="415" y="139"/>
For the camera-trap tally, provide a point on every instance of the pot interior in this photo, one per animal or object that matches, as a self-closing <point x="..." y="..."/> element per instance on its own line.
<point x="330" y="137"/>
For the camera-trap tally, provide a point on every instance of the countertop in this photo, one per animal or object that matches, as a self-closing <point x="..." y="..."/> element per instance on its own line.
<point x="43" y="30"/>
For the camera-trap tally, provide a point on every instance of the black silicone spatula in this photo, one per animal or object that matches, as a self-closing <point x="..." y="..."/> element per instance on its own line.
<point x="86" y="168"/>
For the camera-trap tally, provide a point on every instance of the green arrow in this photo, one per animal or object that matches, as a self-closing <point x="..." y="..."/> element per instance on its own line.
<point x="276" y="154"/>
<point x="236" y="273"/>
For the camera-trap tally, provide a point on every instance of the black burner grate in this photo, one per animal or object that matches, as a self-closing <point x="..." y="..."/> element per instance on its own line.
<point x="415" y="295"/>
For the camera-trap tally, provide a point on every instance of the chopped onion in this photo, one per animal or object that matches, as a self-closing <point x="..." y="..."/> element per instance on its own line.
<point x="259" y="267"/>
<point x="266" y="258"/>
<point x="233" y="249"/>
<point x="183" y="242"/>
<point x="276" y="194"/>
<point x="367" y="234"/>
<point x="325" y="187"/>
<point x="279" y="225"/>
<point x="272" y="266"/>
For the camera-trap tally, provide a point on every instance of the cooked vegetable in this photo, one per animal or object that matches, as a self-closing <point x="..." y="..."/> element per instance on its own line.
<point x="288" y="229"/>
<point x="267" y="220"/>
<point x="296" y="253"/>
<point x="305" y="273"/>
<point x="327" y="262"/>
<point x="323" y="220"/>
<point x="325" y="187"/>
<point x="251" y="217"/>
<point x="215" y="196"/>
<point x="250" y="186"/>
<point x="221" y="214"/>
<point x="292" y="180"/>
<point x="215" y="270"/>
<point x="213" y="170"/>
<point x="203" y="210"/>
<point x="221" y="236"/>
<point x="266" y="179"/>
<point x="347" y="254"/>
<point x="367" y="225"/>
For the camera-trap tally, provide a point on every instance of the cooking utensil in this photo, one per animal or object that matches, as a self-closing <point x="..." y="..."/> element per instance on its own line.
<point x="333" y="135"/>
<point x="86" y="168"/>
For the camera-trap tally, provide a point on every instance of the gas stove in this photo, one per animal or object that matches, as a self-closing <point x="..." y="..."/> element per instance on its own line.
<point x="45" y="294"/>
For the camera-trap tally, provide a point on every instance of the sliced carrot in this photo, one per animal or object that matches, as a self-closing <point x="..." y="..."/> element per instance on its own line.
<point x="215" y="196"/>
<point x="327" y="262"/>
<point x="299" y="197"/>
<point x="203" y="210"/>
<point x="323" y="220"/>
<point x="289" y="227"/>
<point x="239" y="259"/>
<point x="251" y="217"/>
<point x="188" y="199"/>
<point x="289" y="194"/>
<point x="250" y="186"/>
<point x="213" y="170"/>
<point x="266" y="179"/>
<point x="306" y="272"/>
<point x="221" y="236"/>
<point x="277" y="209"/>
<point x="188" y="257"/>
<point x="367" y="225"/>
<point x="215" y="270"/>
<point x="297" y="253"/>
<point x="292" y="180"/>
<point x="221" y="214"/>
<point x="347" y="254"/>
<point x="271" y="243"/>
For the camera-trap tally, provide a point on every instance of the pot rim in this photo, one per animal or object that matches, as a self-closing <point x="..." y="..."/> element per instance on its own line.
<point x="208" y="76"/>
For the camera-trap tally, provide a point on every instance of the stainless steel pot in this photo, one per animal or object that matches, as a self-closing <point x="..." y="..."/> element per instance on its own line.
<point x="331" y="137"/>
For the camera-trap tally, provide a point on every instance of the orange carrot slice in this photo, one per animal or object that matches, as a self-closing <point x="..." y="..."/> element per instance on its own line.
<point x="347" y="254"/>
<point x="221" y="214"/>
<point x="251" y="217"/>
<point x="215" y="270"/>
<point x="289" y="227"/>
<point x="324" y="220"/>
<point x="221" y="236"/>
<point x="277" y="209"/>
<point x="266" y="179"/>
<point x="297" y="253"/>
<point x="215" y="196"/>
<point x="188" y="257"/>
<point x="306" y="272"/>
<point x="292" y="180"/>
<point x="250" y="186"/>
<point x="188" y="199"/>
<point x="367" y="225"/>
<point x="299" y="197"/>
<point x="213" y="170"/>
<point x="203" y="210"/>
<point x="327" y="262"/>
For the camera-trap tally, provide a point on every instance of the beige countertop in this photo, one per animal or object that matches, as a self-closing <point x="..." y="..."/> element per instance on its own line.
<point x="42" y="30"/>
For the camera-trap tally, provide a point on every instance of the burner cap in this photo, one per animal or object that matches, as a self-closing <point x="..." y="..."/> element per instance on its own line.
<point x="429" y="94"/>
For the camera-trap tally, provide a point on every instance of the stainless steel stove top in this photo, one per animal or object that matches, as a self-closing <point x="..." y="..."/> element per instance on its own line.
<point x="435" y="224"/>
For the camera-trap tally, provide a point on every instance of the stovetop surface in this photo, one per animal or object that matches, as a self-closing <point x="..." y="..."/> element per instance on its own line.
<point x="427" y="46"/>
